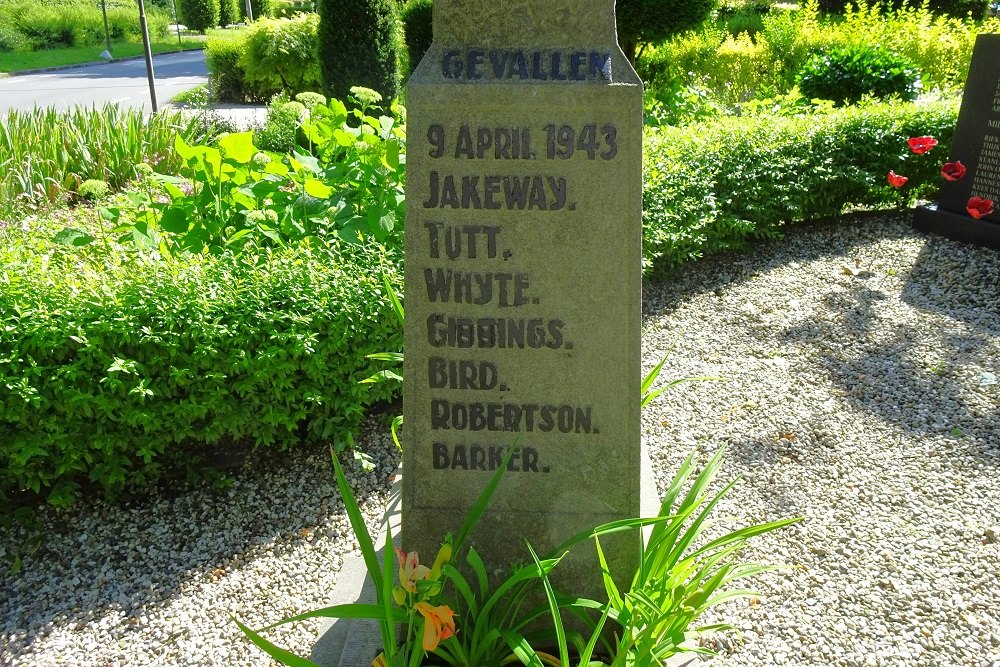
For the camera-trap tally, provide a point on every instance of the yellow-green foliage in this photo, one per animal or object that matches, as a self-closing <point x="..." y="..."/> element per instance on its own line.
<point x="29" y="25"/>
<point x="711" y="186"/>
<point x="739" y="68"/>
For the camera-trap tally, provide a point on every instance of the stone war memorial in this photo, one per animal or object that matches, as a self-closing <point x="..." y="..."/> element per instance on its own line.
<point x="977" y="146"/>
<point x="522" y="281"/>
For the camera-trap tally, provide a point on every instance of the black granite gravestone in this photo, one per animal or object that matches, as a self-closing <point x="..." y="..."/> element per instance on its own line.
<point x="977" y="146"/>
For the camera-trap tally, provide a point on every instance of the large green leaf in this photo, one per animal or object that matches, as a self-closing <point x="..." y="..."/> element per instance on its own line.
<point x="74" y="237"/>
<point x="238" y="146"/>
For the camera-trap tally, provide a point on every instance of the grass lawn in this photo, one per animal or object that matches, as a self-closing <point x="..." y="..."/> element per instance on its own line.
<point x="27" y="60"/>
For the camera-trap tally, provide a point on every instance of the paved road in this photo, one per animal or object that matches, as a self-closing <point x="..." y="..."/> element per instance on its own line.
<point x="123" y="82"/>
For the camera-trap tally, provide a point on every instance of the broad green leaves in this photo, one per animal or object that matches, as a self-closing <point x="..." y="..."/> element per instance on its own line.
<point x="344" y="184"/>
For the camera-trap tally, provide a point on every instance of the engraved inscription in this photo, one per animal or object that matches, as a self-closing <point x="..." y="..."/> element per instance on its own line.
<point x="986" y="183"/>
<point x="457" y="290"/>
<point x="484" y="457"/>
<point x="516" y="65"/>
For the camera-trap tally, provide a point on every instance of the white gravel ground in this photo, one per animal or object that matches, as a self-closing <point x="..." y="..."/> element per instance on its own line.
<point x="866" y="403"/>
<point x="861" y="362"/>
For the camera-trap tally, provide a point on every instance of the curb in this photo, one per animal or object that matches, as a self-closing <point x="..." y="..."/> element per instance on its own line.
<point x="58" y="68"/>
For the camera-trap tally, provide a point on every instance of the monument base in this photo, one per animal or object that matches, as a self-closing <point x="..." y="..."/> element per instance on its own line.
<point x="356" y="642"/>
<point x="957" y="226"/>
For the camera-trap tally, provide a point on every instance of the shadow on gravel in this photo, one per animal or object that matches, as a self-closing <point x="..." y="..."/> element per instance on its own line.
<point x="121" y="564"/>
<point x="876" y="360"/>
<point x="871" y="359"/>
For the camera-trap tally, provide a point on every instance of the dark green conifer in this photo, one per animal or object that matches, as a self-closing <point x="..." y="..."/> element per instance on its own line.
<point x="357" y="46"/>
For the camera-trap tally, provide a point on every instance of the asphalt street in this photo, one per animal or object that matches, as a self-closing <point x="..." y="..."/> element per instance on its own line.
<point x="123" y="82"/>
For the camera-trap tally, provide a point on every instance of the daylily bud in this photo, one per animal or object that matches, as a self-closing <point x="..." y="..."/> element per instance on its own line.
<point x="443" y="557"/>
<point x="399" y="595"/>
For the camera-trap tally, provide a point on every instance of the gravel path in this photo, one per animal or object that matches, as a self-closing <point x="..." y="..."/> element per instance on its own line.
<point x="862" y="363"/>
<point x="867" y="403"/>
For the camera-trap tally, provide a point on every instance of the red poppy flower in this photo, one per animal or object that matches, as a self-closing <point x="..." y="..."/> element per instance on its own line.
<point x="921" y="145"/>
<point x="979" y="207"/>
<point x="953" y="171"/>
<point x="895" y="180"/>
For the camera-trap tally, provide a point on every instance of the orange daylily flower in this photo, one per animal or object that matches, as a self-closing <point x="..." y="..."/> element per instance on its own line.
<point x="410" y="570"/>
<point x="439" y="624"/>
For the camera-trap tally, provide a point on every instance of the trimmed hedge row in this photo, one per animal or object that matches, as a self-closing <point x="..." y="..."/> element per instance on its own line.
<point x="712" y="186"/>
<point x="112" y="374"/>
<point x="114" y="369"/>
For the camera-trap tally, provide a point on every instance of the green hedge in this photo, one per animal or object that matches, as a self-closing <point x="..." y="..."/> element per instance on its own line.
<point x="112" y="373"/>
<point x="27" y="25"/>
<point x="281" y="55"/>
<point x="358" y="47"/>
<point x="712" y="186"/>
<point x="227" y="78"/>
<point x="199" y="15"/>
<point x="270" y="57"/>
<point x="417" y="17"/>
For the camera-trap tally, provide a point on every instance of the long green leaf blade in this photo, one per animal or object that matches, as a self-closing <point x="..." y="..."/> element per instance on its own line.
<point x="276" y="652"/>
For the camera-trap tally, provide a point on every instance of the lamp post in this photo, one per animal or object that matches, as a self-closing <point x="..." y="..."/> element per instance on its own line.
<point x="177" y="22"/>
<point x="149" y="54"/>
<point x="107" y="33"/>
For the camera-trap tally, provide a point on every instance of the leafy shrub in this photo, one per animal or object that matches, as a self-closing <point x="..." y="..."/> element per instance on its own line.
<point x="357" y="46"/>
<point x="93" y="189"/>
<point x="288" y="8"/>
<point x="123" y="369"/>
<point x="846" y="75"/>
<point x="652" y="21"/>
<point x="955" y="8"/>
<point x="199" y="15"/>
<point x="281" y="55"/>
<point x="711" y="186"/>
<point x="227" y="78"/>
<point x="749" y="19"/>
<point x="11" y="39"/>
<point x="729" y="70"/>
<point x="283" y="121"/>
<point x="418" y="29"/>
<point x="231" y="196"/>
<point x="59" y="23"/>
<point x="260" y="8"/>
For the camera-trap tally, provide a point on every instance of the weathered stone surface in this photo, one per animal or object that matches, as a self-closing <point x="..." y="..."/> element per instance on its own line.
<point x="522" y="289"/>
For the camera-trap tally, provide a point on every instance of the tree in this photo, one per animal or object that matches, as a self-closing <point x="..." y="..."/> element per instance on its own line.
<point x="418" y="31"/>
<point x="357" y="46"/>
<point x="229" y="12"/>
<point x="647" y="21"/>
<point x="199" y="15"/>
